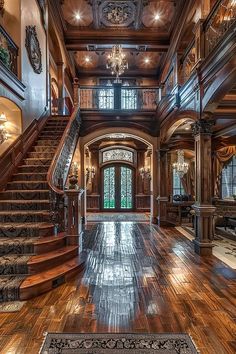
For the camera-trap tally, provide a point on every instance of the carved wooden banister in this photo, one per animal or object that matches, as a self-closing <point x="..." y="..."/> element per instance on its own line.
<point x="59" y="168"/>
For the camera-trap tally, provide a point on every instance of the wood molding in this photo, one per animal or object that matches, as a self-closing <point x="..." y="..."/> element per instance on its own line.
<point x="11" y="82"/>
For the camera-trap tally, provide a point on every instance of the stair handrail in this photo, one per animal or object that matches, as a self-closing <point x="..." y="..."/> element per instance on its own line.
<point x="58" y="170"/>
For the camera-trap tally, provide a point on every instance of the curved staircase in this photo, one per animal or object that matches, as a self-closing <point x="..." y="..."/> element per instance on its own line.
<point x="32" y="259"/>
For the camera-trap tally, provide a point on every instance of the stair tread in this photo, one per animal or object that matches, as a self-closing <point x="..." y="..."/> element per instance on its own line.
<point x="51" y="274"/>
<point x="51" y="255"/>
<point x="25" y="201"/>
<point x="26" y="225"/>
<point x="48" y="239"/>
<point x="24" y="190"/>
<point x="29" y="173"/>
<point x="24" y="212"/>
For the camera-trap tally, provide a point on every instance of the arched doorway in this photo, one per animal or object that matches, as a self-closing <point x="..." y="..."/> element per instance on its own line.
<point x="118" y="187"/>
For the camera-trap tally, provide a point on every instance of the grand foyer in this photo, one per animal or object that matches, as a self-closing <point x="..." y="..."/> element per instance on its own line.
<point x="117" y="200"/>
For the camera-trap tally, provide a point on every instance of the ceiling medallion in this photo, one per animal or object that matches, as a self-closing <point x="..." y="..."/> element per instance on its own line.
<point x="117" y="62"/>
<point x="117" y="13"/>
<point x="33" y="49"/>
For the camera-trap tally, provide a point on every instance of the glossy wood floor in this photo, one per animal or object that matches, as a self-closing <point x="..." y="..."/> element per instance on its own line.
<point x="137" y="279"/>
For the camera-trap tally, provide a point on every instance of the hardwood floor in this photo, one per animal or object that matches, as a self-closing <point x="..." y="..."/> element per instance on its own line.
<point x="138" y="278"/>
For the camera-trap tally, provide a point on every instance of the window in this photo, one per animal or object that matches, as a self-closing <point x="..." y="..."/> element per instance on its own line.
<point x="106" y="98"/>
<point x="228" y="179"/>
<point x="117" y="155"/>
<point x="129" y="98"/>
<point x="177" y="184"/>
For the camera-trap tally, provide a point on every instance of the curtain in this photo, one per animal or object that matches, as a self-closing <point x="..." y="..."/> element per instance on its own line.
<point x="188" y="180"/>
<point x="220" y="159"/>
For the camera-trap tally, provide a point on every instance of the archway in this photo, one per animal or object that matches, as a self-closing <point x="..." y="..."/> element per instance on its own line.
<point x="110" y="137"/>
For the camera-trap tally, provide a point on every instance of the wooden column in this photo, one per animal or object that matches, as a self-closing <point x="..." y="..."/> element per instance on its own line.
<point x="162" y="180"/>
<point x="61" y="79"/>
<point x="74" y="223"/>
<point x="76" y="91"/>
<point x="203" y="187"/>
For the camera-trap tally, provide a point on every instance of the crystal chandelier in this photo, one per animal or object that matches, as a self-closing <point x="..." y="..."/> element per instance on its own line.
<point x="116" y="62"/>
<point x="181" y="166"/>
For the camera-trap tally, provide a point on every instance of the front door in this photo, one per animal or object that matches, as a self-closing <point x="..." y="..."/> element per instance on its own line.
<point x="117" y="188"/>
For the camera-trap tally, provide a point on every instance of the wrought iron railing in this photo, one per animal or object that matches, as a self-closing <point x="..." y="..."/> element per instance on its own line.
<point x="118" y="98"/>
<point x="219" y="22"/>
<point x="8" y="51"/>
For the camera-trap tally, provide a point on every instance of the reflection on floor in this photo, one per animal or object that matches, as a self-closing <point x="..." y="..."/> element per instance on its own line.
<point x="224" y="248"/>
<point x="138" y="278"/>
<point x="118" y="217"/>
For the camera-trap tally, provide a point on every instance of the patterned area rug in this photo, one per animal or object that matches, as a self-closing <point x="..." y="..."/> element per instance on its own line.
<point x="224" y="248"/>
<point x="14" y="306"/>
<point x="9" y="287"/>
<point x="101" y="217"/>
<point x="118" y="343"/>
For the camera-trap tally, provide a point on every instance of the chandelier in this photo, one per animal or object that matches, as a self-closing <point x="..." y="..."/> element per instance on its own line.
<point x="181" y="166"/>
<point x="116" y="62"/>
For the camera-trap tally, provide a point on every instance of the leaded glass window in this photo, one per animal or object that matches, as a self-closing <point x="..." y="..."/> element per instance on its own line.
<point x="126" y="201"/>
<point x="106" y="98"/>
<point x="129" y="98"/>
<point x="109" y="188"/>
<point x="177" y="184"/>
<point x="118" y="155"/>
<point x="228" y="179"/>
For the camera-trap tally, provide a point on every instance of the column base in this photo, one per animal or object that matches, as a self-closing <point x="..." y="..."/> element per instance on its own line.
<point x="203" y="248"/>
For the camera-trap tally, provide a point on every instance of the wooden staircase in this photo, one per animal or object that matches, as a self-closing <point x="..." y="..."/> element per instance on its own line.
<point x="27" y="243"/>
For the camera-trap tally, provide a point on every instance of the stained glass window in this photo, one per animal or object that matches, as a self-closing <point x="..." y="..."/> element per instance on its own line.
<point x="109" y="188"/>
<point x="228" y="179"/>
<point x="177" y="184"/>
<point x="118" y="155"/>
<point x="126" y="188"/>
<point x="129" y="98"/>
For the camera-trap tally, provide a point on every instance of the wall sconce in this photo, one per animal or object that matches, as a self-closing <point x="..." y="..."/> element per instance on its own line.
<point x="90" y="172"/>
<point x="3" y="132"/>
<point x="73" y="177"/>
<point x="145" y="172"/>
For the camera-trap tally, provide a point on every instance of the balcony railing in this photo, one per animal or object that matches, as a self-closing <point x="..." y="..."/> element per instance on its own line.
<point x="8" y="51"/>
<point x="120" y="98"/>
<point x="219" y="22"/>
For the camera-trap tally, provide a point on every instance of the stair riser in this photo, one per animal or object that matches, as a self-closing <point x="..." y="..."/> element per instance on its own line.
<point x="24" y="206"/>
<point x="44" y="149"/>
<point x="17" y="248"/>
<point x="26" y="232"/>
<point x="39" y="155"/>
<point x="45" y="142"/>
<point x="33" y="169"/>
<point x="27" y="185"/>
<point x="24" y="195"/>
<point x="37" y="162"/>
<point x="12" y="269"/>
<point x="49" y="246"/>
<point x="28" y="177"/>
<point x="25" y="218"/>
<point x="45" y="265"/>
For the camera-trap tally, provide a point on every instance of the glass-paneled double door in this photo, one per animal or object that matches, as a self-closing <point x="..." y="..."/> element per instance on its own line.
<point x="117" y="187"/>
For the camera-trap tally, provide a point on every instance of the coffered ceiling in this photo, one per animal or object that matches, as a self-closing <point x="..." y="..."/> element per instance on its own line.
<point x="142" y="27"/>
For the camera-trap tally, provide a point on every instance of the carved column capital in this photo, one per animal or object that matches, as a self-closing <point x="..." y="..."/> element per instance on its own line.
<point x="202" y="126"/>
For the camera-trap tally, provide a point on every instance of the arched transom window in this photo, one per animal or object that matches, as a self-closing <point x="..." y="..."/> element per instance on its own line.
<point x="118" y="154"/>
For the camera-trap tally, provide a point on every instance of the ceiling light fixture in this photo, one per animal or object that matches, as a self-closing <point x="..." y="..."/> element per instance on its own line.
<point x="147" y="60"/>
<point x="87" y="59"/>
<point x="180" y="166"/>
<point x="157" y="17"/>
<point x="78" y="16"/>
<point x="117" y="62"/>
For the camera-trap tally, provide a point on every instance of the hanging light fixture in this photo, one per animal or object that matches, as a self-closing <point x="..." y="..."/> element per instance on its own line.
<point x="181" y="166"/>
<point x="117" y="62"/>
<point x="3" y="132"/>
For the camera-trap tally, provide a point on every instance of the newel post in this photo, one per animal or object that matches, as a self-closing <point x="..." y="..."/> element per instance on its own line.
<point x="74" y="225"/>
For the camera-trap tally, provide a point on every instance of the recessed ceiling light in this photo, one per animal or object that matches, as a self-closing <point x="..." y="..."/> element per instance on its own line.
<point x="157" y="17"/>
<point x="78" y="16"/>
<point x="87" y="59"/>
<point x="187" y="127"/>
<point x="147" y="60"/>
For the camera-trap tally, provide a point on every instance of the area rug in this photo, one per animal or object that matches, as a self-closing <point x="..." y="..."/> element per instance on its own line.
<point x="224" y="248"/>
<point x="117" y="217"/>
<point x="9" y="287"/>
<point x="14" y="306"/>
<point x="91" y="343"/>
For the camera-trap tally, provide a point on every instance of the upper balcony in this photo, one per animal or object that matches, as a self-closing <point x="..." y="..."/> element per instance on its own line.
<point x="118" y="99"/>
